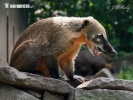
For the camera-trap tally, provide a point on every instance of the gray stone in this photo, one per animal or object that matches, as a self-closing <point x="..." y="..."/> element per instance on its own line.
<point x="50" y="96"/>
<point x="107" y="83"/>
<point x="10" y="93"/>
<point x="101" y="94"/>
<point x="35" y="93"/>
<point x="104" y="73"/>
<point x="10" y="75"/>
<point x="3" y="62"/>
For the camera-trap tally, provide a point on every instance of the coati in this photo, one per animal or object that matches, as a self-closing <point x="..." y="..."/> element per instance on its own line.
<point x="55" y="42"/>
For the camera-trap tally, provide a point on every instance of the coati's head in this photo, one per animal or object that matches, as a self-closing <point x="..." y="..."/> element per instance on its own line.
<point x="96" y="37"/>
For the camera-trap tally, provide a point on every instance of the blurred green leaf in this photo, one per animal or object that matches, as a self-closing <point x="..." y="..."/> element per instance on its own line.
<point x="130" y="29"/>
<point x="127" y="71"/>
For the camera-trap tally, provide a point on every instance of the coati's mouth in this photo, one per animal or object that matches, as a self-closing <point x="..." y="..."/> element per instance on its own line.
<point x="95" y="51"/>
<point x="106" y="48"/>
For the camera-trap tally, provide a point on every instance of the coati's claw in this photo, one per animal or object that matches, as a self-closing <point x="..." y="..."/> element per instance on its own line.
<point x="78" y="79"/>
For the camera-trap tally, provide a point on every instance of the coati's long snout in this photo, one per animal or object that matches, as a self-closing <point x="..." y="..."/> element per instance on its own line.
<point x="99" y="41"/>
<point x="96" y="34"/>
<point x="105" y="45"/>
<point x="108" y="48"/>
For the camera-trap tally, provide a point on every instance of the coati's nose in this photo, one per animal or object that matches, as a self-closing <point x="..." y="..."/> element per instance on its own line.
<point x="113" y="52"/>
<point x="108" y="48"/>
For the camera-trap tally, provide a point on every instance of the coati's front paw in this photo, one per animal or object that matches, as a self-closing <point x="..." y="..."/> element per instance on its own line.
<point x="78" y="79"/>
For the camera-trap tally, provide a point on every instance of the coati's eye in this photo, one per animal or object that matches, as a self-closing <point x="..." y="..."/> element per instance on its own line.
<point x="97" y="38"/>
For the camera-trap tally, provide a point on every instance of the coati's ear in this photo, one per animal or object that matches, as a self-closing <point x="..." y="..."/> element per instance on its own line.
<point x="83" y="25"/>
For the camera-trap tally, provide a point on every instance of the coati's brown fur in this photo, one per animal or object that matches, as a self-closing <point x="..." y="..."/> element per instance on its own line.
<point x="55" y="42"/>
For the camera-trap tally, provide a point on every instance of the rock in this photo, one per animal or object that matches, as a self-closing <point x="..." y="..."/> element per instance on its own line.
<point x="50" y="96"/>
<point x="103" y="73"/>
<point x="3" y="62"/>
<point x="101" y="94"/>
<point x="10" y="93"/>
<point x="97" y="89"/>
<point x="104" y="89"/>
<point x="10" y="75"/>
<point x="107" y="83"/>
<point x="36" y="93"/>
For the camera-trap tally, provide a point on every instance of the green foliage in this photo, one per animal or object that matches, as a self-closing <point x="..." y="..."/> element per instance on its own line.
<point x="130" y="29"/>
<point x="126" y="71"/>
<point x="115" y="15"/>
<point x="83" y="47"/>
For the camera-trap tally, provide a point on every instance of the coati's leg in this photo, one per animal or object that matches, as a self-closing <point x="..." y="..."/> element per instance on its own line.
<point x="52" y="64"/>
<point x="67" y="67"/>
<point x="43" y="68"/>
<point x="25" y="57"/>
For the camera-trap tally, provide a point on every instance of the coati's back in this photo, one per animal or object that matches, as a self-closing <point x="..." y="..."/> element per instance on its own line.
<point x="49" y="31"/>
<point x="31" y="32"/>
